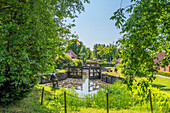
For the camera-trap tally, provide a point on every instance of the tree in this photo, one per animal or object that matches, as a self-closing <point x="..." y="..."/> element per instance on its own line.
<point x="146" y="33"/>
<point x="110" y="50"/>
<point x="73" y="46"/>
<point x="29" y="35"/>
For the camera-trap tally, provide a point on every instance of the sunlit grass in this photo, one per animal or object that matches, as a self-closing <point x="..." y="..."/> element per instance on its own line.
<point x="60" y="71"/>
<point x="118" y="74"/>
<point x="161" y="83"/>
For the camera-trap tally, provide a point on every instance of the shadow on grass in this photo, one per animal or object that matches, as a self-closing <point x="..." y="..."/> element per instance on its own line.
<point x="165" y="89"/>
<point x="158" y="85"/>
<point x="161" y="87"/>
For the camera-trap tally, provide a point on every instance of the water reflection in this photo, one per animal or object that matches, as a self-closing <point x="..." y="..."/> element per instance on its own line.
<point x="83" y="86"/>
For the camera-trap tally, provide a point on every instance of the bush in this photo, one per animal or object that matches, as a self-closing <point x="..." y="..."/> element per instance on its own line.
<point x="88" y="62"/>
<point x="78" y="62"/>
<point x="107" y="64"/>
<point x="15" y="87"/>
<point x="63" y="61"/>
<point x="164" y="73"/>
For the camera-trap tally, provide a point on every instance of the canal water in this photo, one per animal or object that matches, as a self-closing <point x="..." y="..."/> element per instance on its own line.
<point x="83" y="86"/>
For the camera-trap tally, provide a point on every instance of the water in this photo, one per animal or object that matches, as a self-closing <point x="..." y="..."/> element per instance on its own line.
<point x="82" y="86"/>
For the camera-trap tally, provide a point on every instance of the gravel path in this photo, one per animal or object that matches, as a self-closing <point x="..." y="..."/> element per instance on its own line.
<point x="163" y="76"/>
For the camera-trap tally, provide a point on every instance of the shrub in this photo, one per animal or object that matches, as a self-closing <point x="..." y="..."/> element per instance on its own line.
<point x="63" y="61"/>
<point x="15" y="87"/>
<point x="88" y="62"/>
<point x="164" y="73"/>
<point x="107" y="64"/>
<point x="78" y="62"/>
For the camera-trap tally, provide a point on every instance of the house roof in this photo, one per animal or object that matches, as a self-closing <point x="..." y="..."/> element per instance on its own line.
<point x="159" y="57"/>
<point x="72" y="53"/>
<point x="118" y="60"/>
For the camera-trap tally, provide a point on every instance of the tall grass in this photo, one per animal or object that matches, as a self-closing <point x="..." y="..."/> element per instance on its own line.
<point x="54" y="103"/>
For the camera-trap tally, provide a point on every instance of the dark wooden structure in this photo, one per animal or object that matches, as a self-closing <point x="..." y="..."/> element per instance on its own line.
<point x="110" y="78"/>
<point x="46" y="78"/>
<point x="94" y="72"/>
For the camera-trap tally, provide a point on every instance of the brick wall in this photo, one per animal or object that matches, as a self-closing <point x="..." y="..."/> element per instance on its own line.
<point x="167" y="68"/>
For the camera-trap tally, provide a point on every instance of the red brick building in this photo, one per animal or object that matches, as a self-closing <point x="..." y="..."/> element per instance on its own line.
<point x="159" y="58"/>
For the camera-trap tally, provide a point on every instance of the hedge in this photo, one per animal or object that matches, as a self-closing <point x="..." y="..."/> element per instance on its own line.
<point x="91" y="62"/>
<point x="107" y="64"/>
<point x="164" y="73"/>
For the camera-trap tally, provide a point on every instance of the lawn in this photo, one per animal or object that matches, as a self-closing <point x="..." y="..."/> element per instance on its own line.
<point x="54" y="103"/>
<point x="161" y="83"/>
<point x="113" y="73"/>
<point x="31" y="104"/>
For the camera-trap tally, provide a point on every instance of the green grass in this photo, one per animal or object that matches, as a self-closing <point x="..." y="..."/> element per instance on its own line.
<point x="31" y="104"/>
<point x="61" y="71"/>
<point x="113" y="73"/>
<point x="161" y="83"/>
<point x="54" y="103"/>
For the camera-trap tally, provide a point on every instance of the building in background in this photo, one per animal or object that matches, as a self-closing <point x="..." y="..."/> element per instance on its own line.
<point x="159" y="58"/>
<point x="72" y="54"/>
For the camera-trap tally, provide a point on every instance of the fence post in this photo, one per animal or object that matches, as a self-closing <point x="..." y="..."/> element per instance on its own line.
<point x="41" y="79"/>
<point x="107" y="96"/>
<point x="82" y="72"/>
<point x="89" y="72"/>
<point x="65" y="101"/>
<point x="100" y="72"/>
<point x="150" y="100"/>
<point x="68" y="72"/>
<point x="42" y="96"/>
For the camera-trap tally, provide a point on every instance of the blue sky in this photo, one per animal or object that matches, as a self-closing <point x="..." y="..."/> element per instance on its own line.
<point x="94" y="25"/>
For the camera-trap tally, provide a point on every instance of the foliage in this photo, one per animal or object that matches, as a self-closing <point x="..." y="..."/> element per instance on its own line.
<point x="89" y="62"/>
<point x="30" y="33"/>
<point x="110" y="50"/>
<point x="63" y="61"/>
<point x="145" y="35"/>
<point x="164" y="73"/>
<point x="104" y="64"/>
<point x="78" y="62"/>
<point x="82" y="52"/>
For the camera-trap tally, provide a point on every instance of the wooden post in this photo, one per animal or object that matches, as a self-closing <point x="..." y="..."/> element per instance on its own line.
<point x="77" y="72"/>
<point x="41" y="79"/>
<point x="42" y="96"/>
<point x="89" y="72"/>
<point x="93" y="72"/>
<point x="150" y="100"/>
<point x="68" y="70"/>
<point x="65" y="101"/>
<point x="107" y="96"/>
<point x="100" y="71"/>
<point x="82" y="72"/>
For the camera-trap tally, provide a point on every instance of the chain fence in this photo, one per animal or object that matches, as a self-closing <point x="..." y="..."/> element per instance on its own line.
<point x="97" y="97"/>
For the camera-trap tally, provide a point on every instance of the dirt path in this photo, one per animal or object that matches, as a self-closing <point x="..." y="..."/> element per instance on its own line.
<point x="163" y="76"/>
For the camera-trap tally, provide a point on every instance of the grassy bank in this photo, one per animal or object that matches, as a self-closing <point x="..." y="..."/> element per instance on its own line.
<point x="54" y="101"/>
<point x="161" y="83"/>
